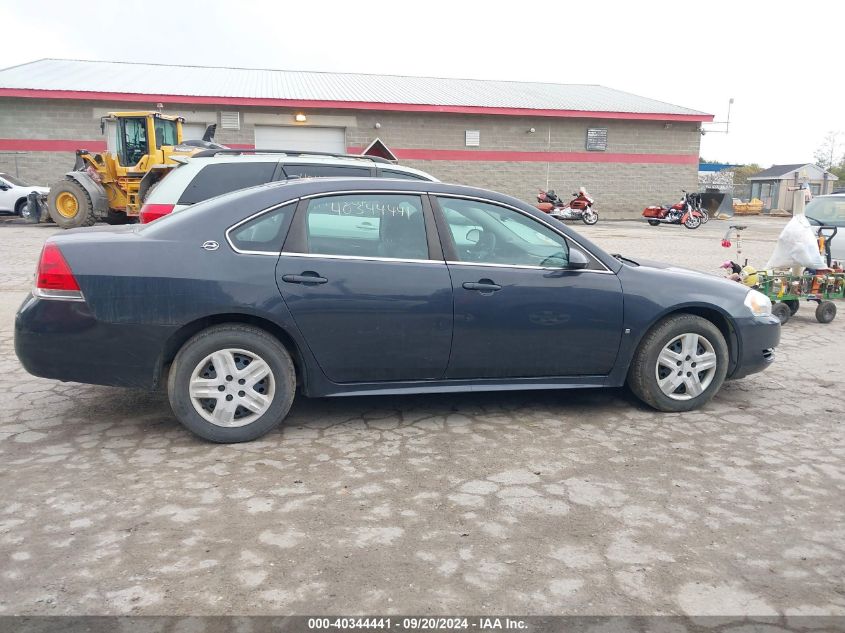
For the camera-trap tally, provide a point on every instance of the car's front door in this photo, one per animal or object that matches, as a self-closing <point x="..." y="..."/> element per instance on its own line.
<point x="519" y="310"/>
<point x="7" y="194"/>
<point x="365" y="280"/>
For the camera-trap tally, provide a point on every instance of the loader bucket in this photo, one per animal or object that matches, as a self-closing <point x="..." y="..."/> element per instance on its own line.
<point x="34" y="209"/>
<point x="718" y="204"/>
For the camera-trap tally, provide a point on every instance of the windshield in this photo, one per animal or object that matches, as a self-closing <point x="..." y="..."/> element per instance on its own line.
<point x="13" y="181"/>
<point x="827" y="210"/>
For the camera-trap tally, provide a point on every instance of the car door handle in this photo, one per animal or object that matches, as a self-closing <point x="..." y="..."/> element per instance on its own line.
<point x="308" y="277"/>
<point x="483" y="285"/>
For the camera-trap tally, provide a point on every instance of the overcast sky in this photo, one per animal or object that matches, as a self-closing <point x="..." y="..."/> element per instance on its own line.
<point x="782" y="62"/>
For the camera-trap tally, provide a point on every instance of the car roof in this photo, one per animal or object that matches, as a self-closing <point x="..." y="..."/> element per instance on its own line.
<point x="255" y="156"/>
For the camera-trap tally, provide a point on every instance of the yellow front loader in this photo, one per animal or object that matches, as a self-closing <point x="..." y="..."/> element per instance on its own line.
<point x="111" y="185"/>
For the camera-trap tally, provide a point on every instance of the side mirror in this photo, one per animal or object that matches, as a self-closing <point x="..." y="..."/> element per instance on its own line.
<point x="4" y="187"/>
<point x="577" y="260"/>
<point x="473" y="236"/>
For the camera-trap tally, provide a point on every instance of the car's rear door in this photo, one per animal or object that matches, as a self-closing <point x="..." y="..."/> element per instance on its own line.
<point x="7" y="196"/>
<point x="364" y="277"/>
<point x="519" y="312"/>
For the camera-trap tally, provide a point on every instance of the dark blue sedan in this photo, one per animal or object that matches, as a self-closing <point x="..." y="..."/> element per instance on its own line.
<point x="360" y="286"/>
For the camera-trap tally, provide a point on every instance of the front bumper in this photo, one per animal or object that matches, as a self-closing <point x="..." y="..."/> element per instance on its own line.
<point x="757" y="338"/>
<point x="62" y="340"/>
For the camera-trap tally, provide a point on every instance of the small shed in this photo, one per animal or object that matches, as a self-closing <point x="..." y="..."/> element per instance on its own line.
<point x="772" y="185"/>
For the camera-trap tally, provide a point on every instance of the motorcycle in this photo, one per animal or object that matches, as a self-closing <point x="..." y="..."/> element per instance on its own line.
<point x="579" y="208"/>
<point x="695" y="199"/>
<point x="687" y="212"/>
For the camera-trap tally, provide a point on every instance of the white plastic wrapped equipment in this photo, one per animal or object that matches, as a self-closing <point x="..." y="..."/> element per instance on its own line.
<point x="797" y="246"/>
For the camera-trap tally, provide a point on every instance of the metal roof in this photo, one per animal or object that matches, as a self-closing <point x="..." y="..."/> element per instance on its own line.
<point x="115" y="78"/>
<point x="785" y="172"/>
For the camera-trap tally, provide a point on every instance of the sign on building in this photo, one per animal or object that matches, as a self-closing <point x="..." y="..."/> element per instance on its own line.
<point x="596" y="139"/>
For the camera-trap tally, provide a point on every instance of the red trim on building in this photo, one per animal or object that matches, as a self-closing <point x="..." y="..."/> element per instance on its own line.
<point x="49" y="145"/>
<point x="28" y="93"/>
<point x="62" y="145"/>
<point x="538" y="157"/>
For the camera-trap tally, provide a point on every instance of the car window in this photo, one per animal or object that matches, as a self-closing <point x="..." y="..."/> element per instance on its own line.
<point x="367" y="225"/>
<point x="219" y="178"/>
<point x="264" y="233"/>
<point x="489" y="234"/>
<point x="827" y="210"/>
<point x="326" y="171"/>
<point x="389" y="173"/>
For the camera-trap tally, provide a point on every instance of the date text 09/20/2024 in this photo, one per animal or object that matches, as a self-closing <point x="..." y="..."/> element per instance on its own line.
<point x="419" y="623"/>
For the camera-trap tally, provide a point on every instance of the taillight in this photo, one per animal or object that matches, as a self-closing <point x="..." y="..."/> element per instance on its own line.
<point x="54" y="279"/>
<point x="150" y="212"/>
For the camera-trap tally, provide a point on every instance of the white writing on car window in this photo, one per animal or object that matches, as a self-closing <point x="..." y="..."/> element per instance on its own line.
<point x="370" y="208"/>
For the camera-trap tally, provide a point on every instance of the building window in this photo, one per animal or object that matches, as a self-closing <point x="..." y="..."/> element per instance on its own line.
<point x="473" y="138"/>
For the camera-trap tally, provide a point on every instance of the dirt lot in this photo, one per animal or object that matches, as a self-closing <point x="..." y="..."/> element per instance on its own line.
<point x="525" y="503"/>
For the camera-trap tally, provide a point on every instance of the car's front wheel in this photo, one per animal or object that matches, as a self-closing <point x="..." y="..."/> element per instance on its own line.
<point x="231" y="383"/>
<point x="680" y="364"/>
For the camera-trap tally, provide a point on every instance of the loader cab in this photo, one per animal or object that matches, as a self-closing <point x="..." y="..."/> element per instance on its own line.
<point x="130" y="136"/>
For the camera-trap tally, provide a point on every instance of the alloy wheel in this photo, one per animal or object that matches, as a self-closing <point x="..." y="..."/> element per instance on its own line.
<point x="693" y="222"/>
<point x="232" y="387"/>
<point x="686" y="366"/>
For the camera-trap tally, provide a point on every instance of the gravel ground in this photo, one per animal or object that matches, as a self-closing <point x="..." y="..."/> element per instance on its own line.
<point x="524" y="503"/>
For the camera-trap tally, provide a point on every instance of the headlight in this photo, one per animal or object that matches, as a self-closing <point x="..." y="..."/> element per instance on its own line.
<point x="758" y="303"/>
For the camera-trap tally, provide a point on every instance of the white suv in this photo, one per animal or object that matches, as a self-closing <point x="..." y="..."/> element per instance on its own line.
<point x="214" y="172"/>
<point x="13" y="193"/>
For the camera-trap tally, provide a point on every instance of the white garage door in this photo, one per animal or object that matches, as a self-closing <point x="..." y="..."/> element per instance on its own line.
<point x="193" y="131"/>
<point x="314" y="139"/>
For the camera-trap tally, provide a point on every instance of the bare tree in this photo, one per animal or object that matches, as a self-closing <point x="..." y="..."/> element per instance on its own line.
<point x="829" y="153"/>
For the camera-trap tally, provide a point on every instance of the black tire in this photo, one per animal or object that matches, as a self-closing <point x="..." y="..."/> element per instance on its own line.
<point x="782" y="312"/>
<point x="116" y="218"/>
<point x="231" y="336"/>
<point x="825" y="312"/>
<point x="692" y="222"/>
<point x="642" y="374"/>
<point x="793" y="305"/>
<point x="84" y="215"/>
<point x="654" y="222"/>
<point x="23" y="211"/>
<point x="590" y="219"/>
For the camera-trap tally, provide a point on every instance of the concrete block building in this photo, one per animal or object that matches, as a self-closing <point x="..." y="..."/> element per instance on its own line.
<point x="516" y="137"/>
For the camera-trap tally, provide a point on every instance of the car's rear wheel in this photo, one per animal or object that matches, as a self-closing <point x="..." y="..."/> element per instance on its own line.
<point x="231" y="383"/>
<point x="680" y="364"/>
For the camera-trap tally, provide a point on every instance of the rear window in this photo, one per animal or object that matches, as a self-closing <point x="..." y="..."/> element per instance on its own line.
<point x="217" y="179"/>
<point x="265" y="233"/>
<point x="326" y="171"/>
